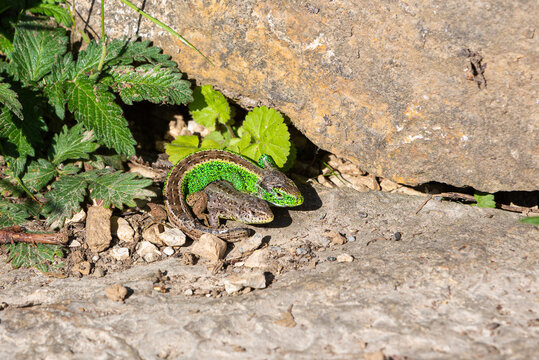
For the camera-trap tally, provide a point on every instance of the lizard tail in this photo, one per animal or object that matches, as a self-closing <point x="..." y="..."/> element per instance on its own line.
<point x="195" y="230"/>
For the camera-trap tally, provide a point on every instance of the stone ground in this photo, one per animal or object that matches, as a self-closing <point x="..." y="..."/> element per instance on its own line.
<point x="459" y="283"/>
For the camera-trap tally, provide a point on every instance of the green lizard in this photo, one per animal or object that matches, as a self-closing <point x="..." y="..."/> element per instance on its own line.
<point x="193" y="173"/>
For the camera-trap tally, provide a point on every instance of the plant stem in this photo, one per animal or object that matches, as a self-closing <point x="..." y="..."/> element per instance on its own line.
<point x="103" y="38"/>
<point x="71" y="12"/>
<point x="230" y="131"/>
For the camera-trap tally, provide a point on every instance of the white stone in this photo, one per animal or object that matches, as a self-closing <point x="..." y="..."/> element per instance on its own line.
<point x="77" y="218"/>
<point x="345" y="258"/>
<point x="188" y="292"/>
<point x="119" y="253"/>
<point x="235" y="283"/>
<point x="197" y="128"/>
<point x="148" y="251"/>
<point x="247" y="245"/>
<point x="258" y="259"/>
<point x="75" y="243"/>
<point x="121" y="228"/>
<point x="168" y="251"/>
<point x="388" y="185"/>
<point x="209" y="247"/>
<point x="151" y="234"/>
<point x="172" y="237"/>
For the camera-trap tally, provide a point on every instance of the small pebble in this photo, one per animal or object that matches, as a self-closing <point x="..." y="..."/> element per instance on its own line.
<point x="84" y="267"/>
<point x="119" y="253"/>
<point x="258" y="259"/>
<point x="173" y="237"/>
<point x="188" y="292"/>
<point x="396" y="236"/>
<point x="350" y="238"/>
<point x="75" y="243"/>
<point x="209" y="247"/>
<point x="152" y="233"/>
<point x="245" y="246"/>
<point x="336" y="238"/>
<point x="362" y="214"/>
<point x="301" y="251"/>
<point x="99" y="272"/>
<point x="168" y="251"/>
<point x="332" y="258"/>
<point x="77" y="218"/>
<point x="148" y="251"/>
<point x="235" y="283"/>
<point x="345" y="258"/>
<point x="116" y="292"/>
<point x="95" y="258"/>
<point x="121" y="228"/>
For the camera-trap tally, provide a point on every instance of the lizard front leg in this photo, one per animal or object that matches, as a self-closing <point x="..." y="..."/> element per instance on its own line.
<point x="198" y="202"/>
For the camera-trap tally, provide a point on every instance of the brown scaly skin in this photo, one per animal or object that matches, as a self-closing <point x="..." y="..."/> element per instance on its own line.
<point x="195" y="172"/>
<point x="223" y="201"/>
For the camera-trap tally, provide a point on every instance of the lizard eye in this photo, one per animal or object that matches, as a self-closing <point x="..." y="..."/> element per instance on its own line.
<point x="278" y="194"/>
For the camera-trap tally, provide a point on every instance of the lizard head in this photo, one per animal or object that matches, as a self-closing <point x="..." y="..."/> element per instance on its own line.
<point x="275" y="187"/>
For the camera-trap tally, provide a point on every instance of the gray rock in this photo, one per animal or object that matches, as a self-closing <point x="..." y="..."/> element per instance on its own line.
<point x="401" y="88"/>
<point x="433" y="295"/>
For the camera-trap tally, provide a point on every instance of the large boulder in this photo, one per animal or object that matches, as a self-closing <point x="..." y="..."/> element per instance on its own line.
<point x="413" y="91"/>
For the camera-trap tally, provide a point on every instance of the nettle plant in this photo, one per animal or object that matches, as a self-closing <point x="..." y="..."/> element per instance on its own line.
<point x="58" y="107"/>
<point x="263" y="131"/>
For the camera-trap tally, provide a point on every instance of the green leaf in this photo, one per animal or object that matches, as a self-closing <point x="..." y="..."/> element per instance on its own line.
<point x="215" y="140"/>
<point x="40" y="256"/>
<point x="36" y="49"/>
<point x="64" y="199"/>
<point x="209" y="105"/>
<point x="93" y="105"/>
<point x="9" y="98"/>
<point x="129" y="52"/>
<point x="74" y="143"/>
<point x="152" y="83"/>
<point x="238" y="145"/>
<point x="534" y="220"/>
<point x="269" y="133"/>
<point x="88" y="59"/>
<point x="12" y="132"/>
<point x="69" y="169"/>
<point x="16" y="165"/>
<point x="60" y="14"/>
<point x="56" y="96"/>
<point x="6" y="44"/>
<point x="7" y="188"/>
<point x="182" y="146"/>
<point x="119" y="188"/>
<point x="38" y="174"/>
<point x="484" y="200"/>
<point x="12" y="214"/>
